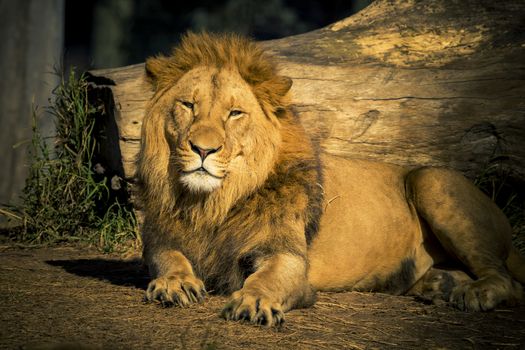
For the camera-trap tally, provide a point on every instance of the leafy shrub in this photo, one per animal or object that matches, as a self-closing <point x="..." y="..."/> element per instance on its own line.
<point x="65" y="199"/>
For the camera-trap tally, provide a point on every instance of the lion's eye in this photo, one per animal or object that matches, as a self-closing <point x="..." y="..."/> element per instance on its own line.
<point x="187" y="104"/>
<point x="236" y="113"/>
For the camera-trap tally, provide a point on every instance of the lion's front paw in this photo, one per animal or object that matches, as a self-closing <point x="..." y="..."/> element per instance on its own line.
<point x="180" y="289"/>
<point x="247" y="306"/>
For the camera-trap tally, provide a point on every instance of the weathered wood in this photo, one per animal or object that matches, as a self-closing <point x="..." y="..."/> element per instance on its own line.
<point x="409" y="82"/>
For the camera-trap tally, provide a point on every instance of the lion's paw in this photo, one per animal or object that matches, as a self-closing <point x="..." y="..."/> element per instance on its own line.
<point x="179" y="289"/>
<point x="246" y="306"/>
<point x="485" y="294"/>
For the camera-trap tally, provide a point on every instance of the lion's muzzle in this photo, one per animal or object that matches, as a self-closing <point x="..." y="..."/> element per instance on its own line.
<point x="203" y="152"/>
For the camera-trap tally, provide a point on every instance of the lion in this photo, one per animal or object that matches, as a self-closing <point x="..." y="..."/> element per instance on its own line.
<point x="238" y="200"/>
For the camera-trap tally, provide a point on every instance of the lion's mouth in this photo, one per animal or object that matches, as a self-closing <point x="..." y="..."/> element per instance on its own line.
<point x="201" y="180"/>
<point x="202" y="171"/>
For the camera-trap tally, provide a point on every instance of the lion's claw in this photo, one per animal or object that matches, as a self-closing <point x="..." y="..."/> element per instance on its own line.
<point x="181" y="290"/>
<point x="260" y="311"/>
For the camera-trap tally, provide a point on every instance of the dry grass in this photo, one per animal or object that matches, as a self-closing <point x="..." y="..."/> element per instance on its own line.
<point x="71" y="296"/>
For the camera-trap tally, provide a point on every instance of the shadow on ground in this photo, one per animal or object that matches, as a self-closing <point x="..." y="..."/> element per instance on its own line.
<point x="118" y="272"/>
<point x="53" y="297"/>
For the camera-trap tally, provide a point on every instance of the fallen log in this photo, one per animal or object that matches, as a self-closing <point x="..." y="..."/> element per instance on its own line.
<point x="433" y="82"/>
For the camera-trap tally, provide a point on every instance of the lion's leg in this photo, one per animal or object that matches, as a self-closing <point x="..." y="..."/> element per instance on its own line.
<point x="278" y="284"/>
<point x="472" y="230"/>
<point x="174" y="282"/>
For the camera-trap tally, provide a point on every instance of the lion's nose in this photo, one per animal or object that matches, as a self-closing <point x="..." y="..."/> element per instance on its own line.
<point x="203" y="152"/>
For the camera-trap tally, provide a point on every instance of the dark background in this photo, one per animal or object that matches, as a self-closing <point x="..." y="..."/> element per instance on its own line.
<point x="112" y="33"/>
<point x="40" y="38"/>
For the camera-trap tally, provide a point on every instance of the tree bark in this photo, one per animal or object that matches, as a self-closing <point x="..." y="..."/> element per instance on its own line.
<point x="31" y="40"/>
<point x="436" y="83"/>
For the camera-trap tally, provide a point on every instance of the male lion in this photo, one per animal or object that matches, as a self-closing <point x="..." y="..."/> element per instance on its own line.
<point x="236" y="198"/>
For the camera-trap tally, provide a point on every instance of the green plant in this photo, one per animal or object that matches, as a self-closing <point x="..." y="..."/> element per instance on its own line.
<point x="64" y="198"/>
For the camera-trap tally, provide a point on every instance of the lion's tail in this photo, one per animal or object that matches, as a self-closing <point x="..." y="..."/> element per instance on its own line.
<point x="516" y="265"/>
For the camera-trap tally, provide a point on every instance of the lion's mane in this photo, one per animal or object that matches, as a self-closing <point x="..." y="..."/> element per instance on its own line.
<point x="230" y="213"/>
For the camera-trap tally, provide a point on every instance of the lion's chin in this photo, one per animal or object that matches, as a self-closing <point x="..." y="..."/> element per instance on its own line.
<point x="199" y="181"/>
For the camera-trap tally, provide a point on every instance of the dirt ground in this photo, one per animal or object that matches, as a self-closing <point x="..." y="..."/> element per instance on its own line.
<point x="71" y="298"/>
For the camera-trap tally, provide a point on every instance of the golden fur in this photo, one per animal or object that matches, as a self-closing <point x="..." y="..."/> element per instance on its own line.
<point x="237" y="199"/>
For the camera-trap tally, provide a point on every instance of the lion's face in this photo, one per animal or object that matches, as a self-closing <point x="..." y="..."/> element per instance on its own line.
<point x="216" y="130"/>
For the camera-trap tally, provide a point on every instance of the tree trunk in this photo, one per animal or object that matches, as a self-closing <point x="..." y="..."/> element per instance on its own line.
<point x="409" y="82"/>
<point x="31" y="40"/>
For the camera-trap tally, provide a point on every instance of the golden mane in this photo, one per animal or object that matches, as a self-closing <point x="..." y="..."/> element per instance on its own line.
<point x="229" y="51"/>
<point x="158" y="189"/>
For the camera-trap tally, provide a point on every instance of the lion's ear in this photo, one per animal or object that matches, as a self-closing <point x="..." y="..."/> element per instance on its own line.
<point x="282" y="85"/>
<point x="156" y="69"/>
<point x="273" y="91"/>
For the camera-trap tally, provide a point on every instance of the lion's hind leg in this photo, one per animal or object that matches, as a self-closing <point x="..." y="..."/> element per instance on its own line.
<point x="472" y="230"/>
